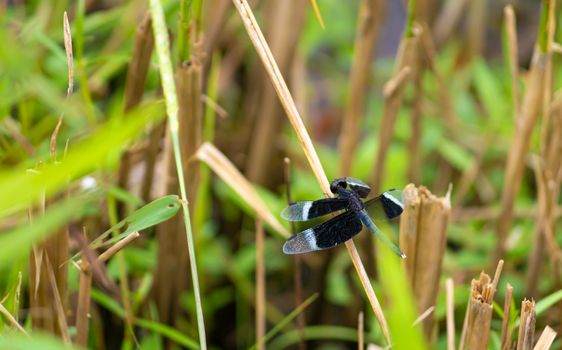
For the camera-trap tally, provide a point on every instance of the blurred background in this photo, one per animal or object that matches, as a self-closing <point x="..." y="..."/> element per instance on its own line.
<point x="460" y="97"/>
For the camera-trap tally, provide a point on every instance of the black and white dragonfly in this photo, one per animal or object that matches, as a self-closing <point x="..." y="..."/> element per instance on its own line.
<point x="349" y="223"/>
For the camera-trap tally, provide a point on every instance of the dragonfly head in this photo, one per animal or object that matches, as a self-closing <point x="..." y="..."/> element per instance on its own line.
<point x="337" y="185"/>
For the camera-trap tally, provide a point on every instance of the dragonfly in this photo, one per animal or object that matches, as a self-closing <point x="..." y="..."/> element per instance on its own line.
<point x="354" y="215"/>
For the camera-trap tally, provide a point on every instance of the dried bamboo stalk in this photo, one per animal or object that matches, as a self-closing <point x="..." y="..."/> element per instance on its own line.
<point x="287" y="20"/>
<point x="526" y="337"/>
<point x="360" y="332"/>
<point x="511" y="30"/>
<point x="172" y="242"/>
<point x="450" y="314"/>
<point x="298" y="260"/>
<point x="288" y="103"/>
<point x="546" y="339"/>
<point x="139" y="64"/>
<point x="530" y="110"/>
<point x="506" y="330"/>
<point x="260" y="285"/>
<point x="423" y="230"/>
<point x="393" y="100"/>
<point x="368" y="25"/>
<point x="85" y="288"/>
<point x="476" y="328"/>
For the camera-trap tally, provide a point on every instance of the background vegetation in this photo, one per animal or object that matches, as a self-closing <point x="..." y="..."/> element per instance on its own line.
<point x="100" y="100"/>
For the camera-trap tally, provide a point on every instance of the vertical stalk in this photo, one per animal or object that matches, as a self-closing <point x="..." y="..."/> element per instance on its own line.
<point x="167" y="76"/>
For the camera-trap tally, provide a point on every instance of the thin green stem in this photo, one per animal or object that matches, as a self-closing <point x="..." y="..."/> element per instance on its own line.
<point x="543" y="27"/>
<point x="167" y="77"/>
<point x="409" y="29"/>
<point x="183" y="31"/>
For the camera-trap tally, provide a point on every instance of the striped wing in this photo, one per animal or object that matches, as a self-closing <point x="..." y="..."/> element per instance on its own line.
<point x="307" y="210"/>
<point x="326" y="235"/>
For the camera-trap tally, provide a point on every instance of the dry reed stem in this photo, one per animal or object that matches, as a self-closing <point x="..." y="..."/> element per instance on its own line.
<point x="360" y="331"/>
<point x="298" y="260"/>
<point x="58" y="305"/>
<point x="11" y="319"/>
<point x="476" y="26"/>
<point x="423" y="232"/>
<point x="476" y="328"/>
<point x="215" y="159"/>
<point x="260" y="284"/>
<point x="424" y="315"/>
<point x="526" y="337"/>
<point x="83" y="308"/>
<point x="140" y="63"/>
<point x="84" y="291"/>
<point x="506" y="329"/>
<point x="536" y="92"/>
<point x="546" y="339"/>
<point x="448" y="19"/>
<point x="286" y="22"/>
<point x="511" y="30"/>
<point x="288" y="103"/>
<point x="393" y="100"/>
<point x="450" y="292"/>
<point x="396" y="82"/>
<point x="519" y="148"/>
<point x="366" y="36"/>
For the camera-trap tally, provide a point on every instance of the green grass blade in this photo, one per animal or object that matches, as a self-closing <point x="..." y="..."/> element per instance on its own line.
<point x="167" y="77"/>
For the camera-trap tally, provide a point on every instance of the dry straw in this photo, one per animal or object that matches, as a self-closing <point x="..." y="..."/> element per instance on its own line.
<point x="527" y="321"/>
<point x="423" y="232"/>
<point x="214" y="158"/>
<point x="476" y="328"/>
<point x="289" y="105"/>
<point x="546" y="339"/>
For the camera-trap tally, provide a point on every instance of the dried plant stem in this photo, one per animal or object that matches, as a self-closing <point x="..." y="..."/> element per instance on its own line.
<point x="527" y="322"/>
<point x="546" y="339"/>
<point x="450" y="314"/>
<point x="286" y="22"/>
<point x="83" y="309"/>
<point x="162" y="48"/>
<point x="476" y="328"/>
<point x="530" y="110"/>
<point x="365" y="40"/>
<point x="288" y="103"/>
<point x="298" y="260"/>
<point x="449" y="17"/>
<point x="423" y="232"/>
<point x="360" y="331"/>
<point x="506" y="329"/>
<point x="58" y="304"/>
<point x="511" y="30"/>
<point x="260" y="284"/>
<point x="209" y="154"/>
<point x="394" y="93"/>
<point x="84" y="291"/>
<point x="11" y="319"/>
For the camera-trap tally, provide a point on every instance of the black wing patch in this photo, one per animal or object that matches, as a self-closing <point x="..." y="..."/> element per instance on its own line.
<point x="388" y="205"/>
<point x="326" y="235"/>
<point x="307" y="210"/>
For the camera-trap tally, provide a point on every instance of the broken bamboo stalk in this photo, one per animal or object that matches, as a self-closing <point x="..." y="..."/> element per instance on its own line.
<point x="423" y="232"/>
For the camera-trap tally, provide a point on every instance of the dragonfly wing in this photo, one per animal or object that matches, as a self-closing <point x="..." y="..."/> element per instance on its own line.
<point x="361" y="188"/>
<point x="388" y="205"/>
<point x="307" y="210"/>
<point x="326" y="235"/>
<point x="366" y="220"/>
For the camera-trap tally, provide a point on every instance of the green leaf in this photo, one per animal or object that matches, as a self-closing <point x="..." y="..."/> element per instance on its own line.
<point x="83" y="158"/>
<point x="40" y="341"/>
<point x="149" y="215"/>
